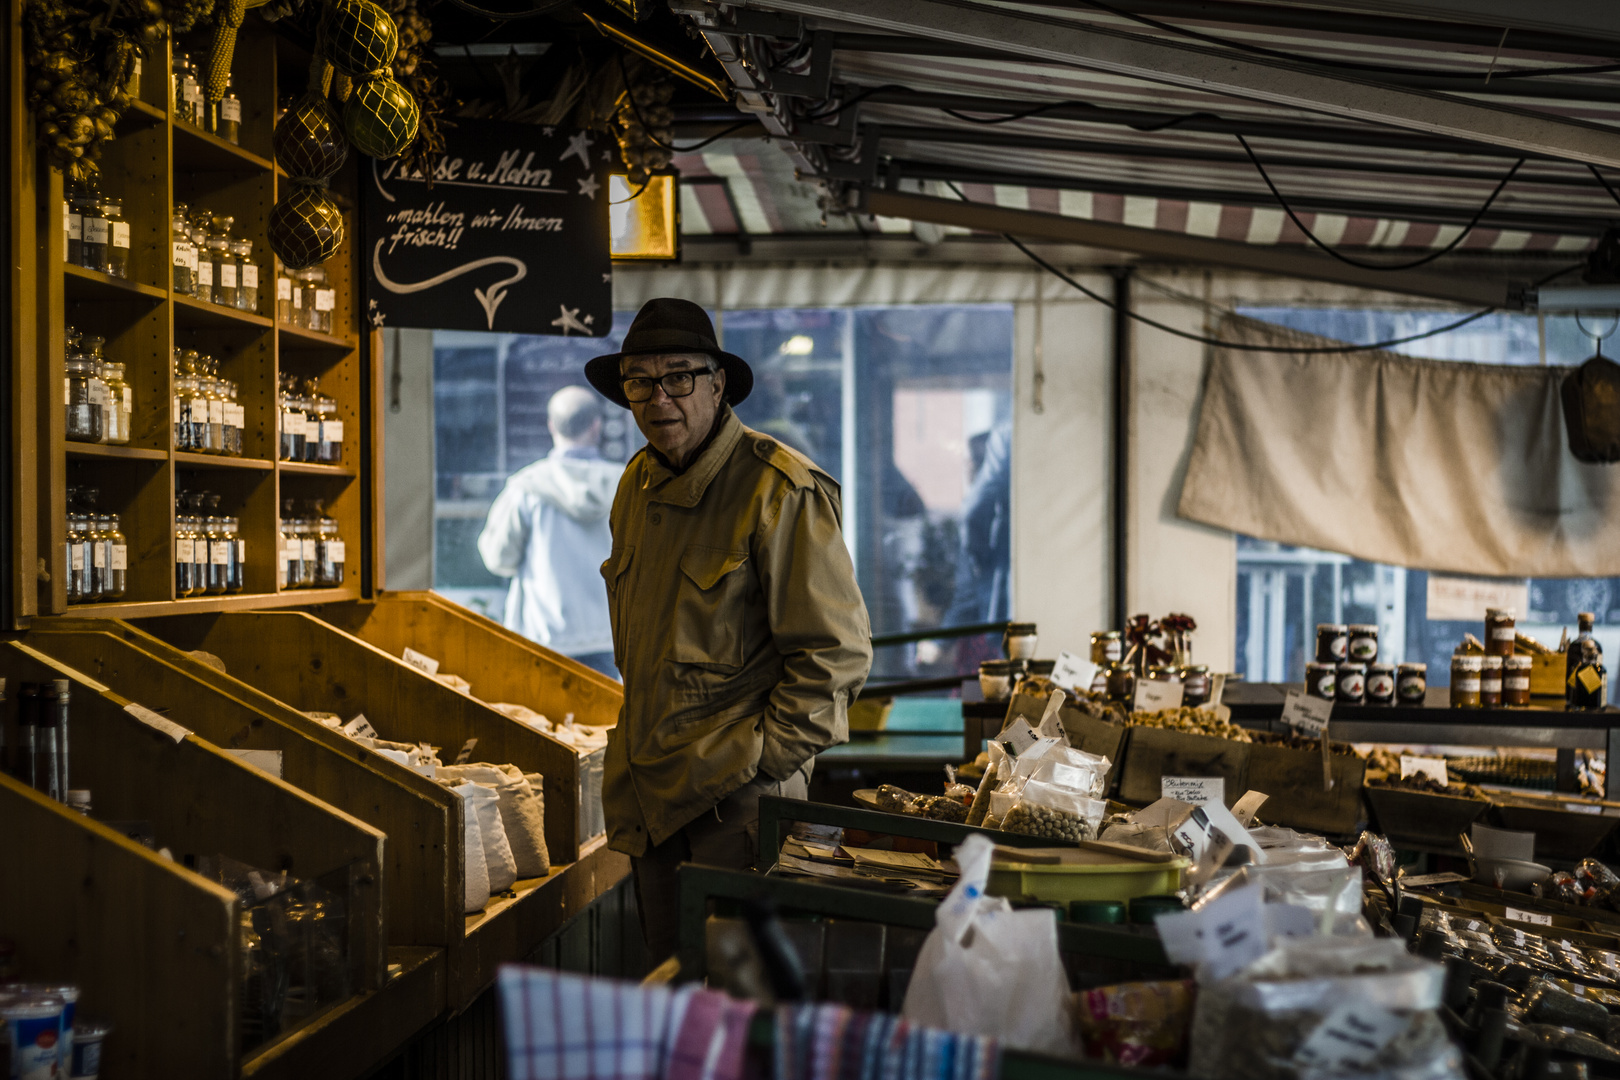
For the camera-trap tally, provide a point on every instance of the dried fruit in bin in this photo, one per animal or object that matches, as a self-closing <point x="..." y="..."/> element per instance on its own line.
<point x="1422" y="782"/>
<point x="1143" y="1023"/>
<point x="1590" y="884"/>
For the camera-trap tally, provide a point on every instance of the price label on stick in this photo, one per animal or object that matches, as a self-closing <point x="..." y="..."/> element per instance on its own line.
<point x="1051" y="724"/>
<point x="1153" y="696"/>
<point x="1196" y="790"/>
<point x="1305" y="714"/>
<point x="1016" y="737"/>
<point x="1513" y="914"/>
<point x="466" y="751"/>
<point x="1072" y="672"/>
<point x="1432" y="767"/>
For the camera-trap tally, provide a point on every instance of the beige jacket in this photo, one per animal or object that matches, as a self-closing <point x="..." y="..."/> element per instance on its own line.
<point x="737" y="625"/>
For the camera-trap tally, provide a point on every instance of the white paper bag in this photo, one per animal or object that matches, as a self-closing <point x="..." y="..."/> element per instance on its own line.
<point x="989" y="970"/>
<point x="474" y="870"/>
<point x="483" y="802"/>
<point x="522" y="812"/>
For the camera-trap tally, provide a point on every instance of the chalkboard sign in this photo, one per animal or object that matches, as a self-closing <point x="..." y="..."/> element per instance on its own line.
<point x="512" y="236"/>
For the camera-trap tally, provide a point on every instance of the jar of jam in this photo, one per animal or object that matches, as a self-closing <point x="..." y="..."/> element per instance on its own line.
<point x="1490" y="683"/>
<point x="1195" y="684"/>
<point x="1121" y="682"/>
<point x="1018" y="641"/>
<point x="1321" y="679"/>
<point x="1380" y="684"/>
<point x="1412" y="683"/>
<point x="1465" y="678"/>
<point x="1164" y="673"/>
<point x="1106" y="647"/>
<point x="1332" y="643"/>
<point x="1499" y="631"/>
<point x="1350" y="683"/>
<point x="1516" y="680"/>
<point x="1363" y="643"/>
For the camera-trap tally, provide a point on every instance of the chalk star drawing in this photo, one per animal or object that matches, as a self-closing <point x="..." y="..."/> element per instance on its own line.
<point x="607" y="155"/>
<point x="590" y="320"/>
<point x="589" y="185"/>
<point x="605" y="279"/>
<point x="569" y="320"/>
<point x="547" y="132"/>
<point x="578" y="146"/>
<point x="377" y="317"/>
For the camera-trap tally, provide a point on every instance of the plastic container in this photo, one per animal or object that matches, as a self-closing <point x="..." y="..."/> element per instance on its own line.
<point x="1144" y="909"/>
<point x="1097" y="911"/>
<point x="1066" y="882"/>
<point x="87" y="1040"/>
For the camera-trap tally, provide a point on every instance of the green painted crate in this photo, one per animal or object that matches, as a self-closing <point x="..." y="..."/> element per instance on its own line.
<point x="1102" y="881"/>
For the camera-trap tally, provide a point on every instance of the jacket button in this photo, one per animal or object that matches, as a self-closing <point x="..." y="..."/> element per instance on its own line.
<point x="657" y="519"/>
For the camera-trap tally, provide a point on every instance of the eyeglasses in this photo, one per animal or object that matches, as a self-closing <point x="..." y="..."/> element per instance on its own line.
<point x="676" y="384"/>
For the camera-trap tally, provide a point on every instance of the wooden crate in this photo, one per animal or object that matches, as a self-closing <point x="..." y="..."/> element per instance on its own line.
<point x="1293" y="780"/>
<point x="1421" y="818"/>
<point x="1154" y="753"/>
<point x="424" y="876"/>
<point x="1567" y="828"/>
<point x="154" y="946"/>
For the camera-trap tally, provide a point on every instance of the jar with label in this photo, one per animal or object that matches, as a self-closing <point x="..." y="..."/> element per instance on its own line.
<point x="94" y="225"/>
<point x="293" y="424"/>
<point x="109" y="414"/>
<point x="78" y="550"/>
<point x="1516" y="680"/>
<point x="120" y="405"/>
<point x="326" y="304"/>
<point x="286" y="292"/>
<point x="212" y="527"/>
<point x="1195" y="684"/>
<point x="223" y="270"/>
<point x="1465" y="678"/>
<point x="183" y="258"/>
<point x="100" y="554"/>
<point x="185" y="562"/>
<point x="1363" y="644"/>
<point x="1121" y="682"/>
<point x="308" y="552"/>
<point x="1017" y="640"/>
<point x="235" y="420"/>
<point x="117" y="581"/>
<point x="1332" y="643"/>
<point x="1106" y="647"/>
<point x="1321" y="679"/>
<point x="228" y="116"/>
<point x="184" y="388"/>
<point x="73" y="223"/>
<point x="1165" y="673"/>
<point x="205" y="264"/>
<point x="188" y="106"/>
<point x="247" y="276"/>
<point x="1380" y="684"/>
<point x="236" y="571"/>
<point x="325" y="426"/>
<point x="1500" y="627"/>
<point x="1412" y="683"/>
<point x="330" y="551"/>
<point x="214" y="393"/>
<point x="286" y="549"/>
<point x="312" y="420"/>
<point x="1490" y="683"/>
<point x="117" y="256"/>
<point x="1350" y="683"/>
<point x="85" y="397"/>
<point x="197" y="405"/>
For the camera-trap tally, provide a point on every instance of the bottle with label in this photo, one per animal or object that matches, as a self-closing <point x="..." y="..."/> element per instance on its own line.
<point x="188" y="91"/>
<point x="235" y="419"/>
<point x="330" y="447"/>
<point x="185" y="534"/>
<point x="329" y="549"/>
<point x="288" y="552"/>
<point x="93" y="223"/>
<point x="212" y="527"/>
<point x="1584" y="621"/>
<point x="117" y="558"/>
<point x="98" y="364"/>
<point x="312" y="421"/>
<point x="78" y="546"/>
<point x="308" y="551"/>
<point x="100" y="563"/>
<point x="117" y="255"/>
<point x="184" y="258"/>
<point x="73" y="223"/>
<point x="247" y="276"/>
<point x="214" y="394"/>
<point x="197" y="407"/>
<point x="286" y="290"/>
<point x="228" y="116"/>
<point x="224" y="270"/>
<point x="236" y="570"/>
<point x="120" y="405"/>
<point x="85" y="396"/>
<point x="1589" y="685"/>
<point x="325" y="301"/>
<point x="294" y="421"/>
<point x="205" y="265"/>
<point x="180" y="403"/>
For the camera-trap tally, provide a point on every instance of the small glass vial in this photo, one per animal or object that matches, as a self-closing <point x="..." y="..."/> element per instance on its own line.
<point x="1466" y="670"/>
<point x="1412" y="683"/>
<point x="184" y="256"/>
<point x="117" y="263"/>
<point x="117" y="559"/>
<point x="1500" y="628"/>
<point x="85" y="398"/>
<point x="247" y="276"/>
<point x="1332" y="643"/>
<point x="1321" y="679"/>
<point x="286" y="293"/>
<point x="227" y="116"/>
<point x="1380" y="684"/>
<point x="93" y="222"/>
<point x="236" y="572"/>
<point x="1516" y="680"/>
<point x="329" y="550"/>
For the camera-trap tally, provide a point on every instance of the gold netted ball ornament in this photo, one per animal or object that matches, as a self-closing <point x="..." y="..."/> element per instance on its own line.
<point x="306" y="227"/>
<point x="358" y="37"/>
<point x="309" y="140"/>
<point x="380" y="117"/>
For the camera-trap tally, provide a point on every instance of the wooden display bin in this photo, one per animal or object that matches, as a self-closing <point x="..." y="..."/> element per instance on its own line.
<point x="1154" y="753"/>
<point x="500" y="664"/>
<point x="1422" y="819"/>
<point x="156" y="948"/>
<point x="1567" y="827"/>
<point x="1293" y="780"/>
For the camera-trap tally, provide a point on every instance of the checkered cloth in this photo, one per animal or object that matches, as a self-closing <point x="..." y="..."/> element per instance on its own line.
<point x="574" y="1027"/>
<point x="833" y="1042"/>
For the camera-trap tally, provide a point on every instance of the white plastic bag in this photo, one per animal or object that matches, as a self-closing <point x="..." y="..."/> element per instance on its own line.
<point x="474" y="870"/>
<point x="989" y="970"/>
<point x="522" y="812"/>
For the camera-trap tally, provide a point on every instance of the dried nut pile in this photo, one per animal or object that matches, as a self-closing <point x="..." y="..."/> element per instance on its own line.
<point x="1192" y="721"/>
<point x="1422" y="782"/>
<point x="1034" y="820"/>
<point x="1295" y="741"/>
<point x="939" y="808"/>
<point x="895" y="800"/>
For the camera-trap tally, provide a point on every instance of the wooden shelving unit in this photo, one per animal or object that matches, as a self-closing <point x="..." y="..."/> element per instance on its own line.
<point x="155" y="162"/>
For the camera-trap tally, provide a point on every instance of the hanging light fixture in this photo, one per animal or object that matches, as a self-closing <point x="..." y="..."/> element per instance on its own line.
<point x="645" y="220"/>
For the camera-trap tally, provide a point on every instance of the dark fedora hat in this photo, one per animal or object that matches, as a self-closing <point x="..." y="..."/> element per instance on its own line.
<point x="669" y="325"/>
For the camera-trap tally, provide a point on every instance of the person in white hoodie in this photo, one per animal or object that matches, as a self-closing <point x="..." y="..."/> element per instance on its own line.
<point x="548" y="532"/>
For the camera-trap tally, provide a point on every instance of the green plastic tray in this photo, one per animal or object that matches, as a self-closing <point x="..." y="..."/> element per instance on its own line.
<point x="1108" y="881"/>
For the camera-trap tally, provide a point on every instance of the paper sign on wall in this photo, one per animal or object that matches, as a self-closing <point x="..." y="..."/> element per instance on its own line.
<point x="1195" y="790"/>
<point x="1306" y="714"/>
<point x="1073" y="672"/>
<point x="1433" y="767"/>
<point x="1152" y="696"/>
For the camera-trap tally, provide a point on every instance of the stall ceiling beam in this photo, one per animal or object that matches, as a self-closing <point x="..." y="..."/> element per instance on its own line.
<point x="1575" y="17"/>
<point x="1179" y="247"/>
<point x="1219" y="72"/>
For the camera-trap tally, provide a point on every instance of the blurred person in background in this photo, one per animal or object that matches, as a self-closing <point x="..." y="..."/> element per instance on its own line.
<point x="548" y="532"/>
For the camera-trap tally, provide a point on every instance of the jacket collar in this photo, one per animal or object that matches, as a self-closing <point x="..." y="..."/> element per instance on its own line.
<point x="686" y="488"/>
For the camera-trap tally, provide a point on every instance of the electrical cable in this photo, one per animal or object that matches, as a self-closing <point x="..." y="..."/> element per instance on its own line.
<point x="1168" y="122"/>
<point x="1201" y="339"/>
<point x="630" y="96"/>
<point x="1351" y="65"/>
<point x="1615" y="195"/>
<point x="856" y="100"/>
<point x="1361" y="263"/>
<point x="631" y="198"/>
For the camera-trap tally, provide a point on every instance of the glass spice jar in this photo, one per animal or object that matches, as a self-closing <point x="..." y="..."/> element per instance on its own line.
<point x="228" y="116"/>
<point x="1363" y="646"/>
<point x="1380" y="684"/>
<point x="1465" y="678"/>
<point x="247" y="276"/>
<point x="120" y="405"/>
<point x="93" y="222"/>
<point x="326" y="304"/>
<point x="78" y="561"/>
<point x="329" y="550"/>
<point x="1490" y="683"/>
<point x="73" y="255"/>
<point x="329" y="448"/>
<point x="117" y="238"/>
<point x="183" y="258"/>
<point x="1350" y="683"/>
<point x="236" y="572"/>
<point x="1106" y="647"/>
<point x="117" y="559"/>
<point x="1499" y="631"/>
<point x="1332" y="643"/>
<point x="100" y="562"/>
<point x="205" y="262"/>
<point x="1195" y="684"/>
<point x="85" y="398"/>
<point x="1516" y="680"/>
<point x="1412" y="683"/>
<point x="1321" y="679"/>
<point x="222" y="268"/>
<point x="285" y="292"/>
<point x="185" y="539"/>
<point x="1121" y="682"/>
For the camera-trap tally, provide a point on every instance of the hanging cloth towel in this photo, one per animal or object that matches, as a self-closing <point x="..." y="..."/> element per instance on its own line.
<point x="833" y="1042"/>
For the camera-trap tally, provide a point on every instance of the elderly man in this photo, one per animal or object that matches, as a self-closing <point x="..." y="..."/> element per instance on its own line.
<point x="737" y="623"/>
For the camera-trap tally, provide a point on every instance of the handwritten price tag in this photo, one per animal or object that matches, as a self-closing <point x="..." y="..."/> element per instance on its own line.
<point x="1432" y="767"/>
<point x="1073" y="672"/>
<point x="466" y="751"/>
<point x="1153" y="696"/>
<point x="359" y="728"/>
<point x="157" y="721"/>
<point x="1516" y="915"/>
<point x="1305" y="714"/>
<point x="421" y="662"/>
<point x="1016" y="737"/>
<point x="1195" y="790"/>
<point x="1222" y="937"/>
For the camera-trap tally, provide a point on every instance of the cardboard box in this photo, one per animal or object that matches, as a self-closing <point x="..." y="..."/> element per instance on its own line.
<point x="1547" y="674"/>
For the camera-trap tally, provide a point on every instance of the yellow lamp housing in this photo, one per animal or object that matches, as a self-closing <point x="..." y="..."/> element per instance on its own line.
<point x="645" y="222"/>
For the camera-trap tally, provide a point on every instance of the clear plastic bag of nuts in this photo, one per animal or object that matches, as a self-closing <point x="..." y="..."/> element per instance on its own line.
<point x="1057" y="813"/>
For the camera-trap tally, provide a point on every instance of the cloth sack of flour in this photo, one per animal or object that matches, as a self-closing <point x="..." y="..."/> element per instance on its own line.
<point x="485" y="804"/>
<point x="474" y="871"/>
<point x="522" y="809"/>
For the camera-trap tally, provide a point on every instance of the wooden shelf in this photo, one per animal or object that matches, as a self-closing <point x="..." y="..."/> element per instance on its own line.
<point x="297" y="338"/>
<point x="145" y="609"/>
<point x="80" y="283"/>
<point x="194" y="313"/>
<point x="306" y="468"/>
<point x="187" y="459"/>
<point x="141" y="115"/>
<point x="197" y="151"/>
<point x="125" y="453"/>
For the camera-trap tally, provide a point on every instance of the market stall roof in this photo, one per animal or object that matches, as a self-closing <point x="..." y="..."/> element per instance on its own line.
<point x="1200" y="118"/>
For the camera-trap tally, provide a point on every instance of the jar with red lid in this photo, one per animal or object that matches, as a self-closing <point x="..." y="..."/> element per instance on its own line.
<point x="1332" y="643"/>
<point x="1516" y="680"/>
<point x="1321" y="679"/>
<point x="1499" y="631"/>
<point x="1350" y="683"/>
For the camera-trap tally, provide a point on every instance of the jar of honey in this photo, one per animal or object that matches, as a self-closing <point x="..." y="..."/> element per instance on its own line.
<point x="1332" y="643"/>
<point x="1499" y="631"/>
<point x="1121" y="682"/>
<point x="1321" y="679"/>
<point x="1516" y="680"/>
<point x="1465" y="679"/>
<point x="1490" y="683"/>
<point x="1350" y="684"/>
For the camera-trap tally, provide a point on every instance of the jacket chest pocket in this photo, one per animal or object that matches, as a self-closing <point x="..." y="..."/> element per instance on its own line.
<point x="613" y="571"/>
<point x="709" y="609"/>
